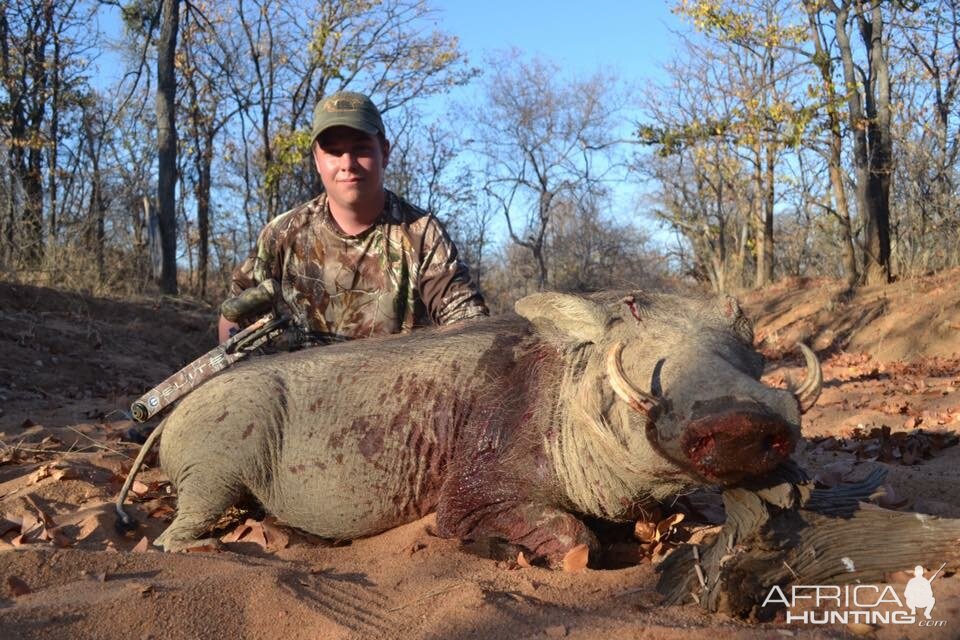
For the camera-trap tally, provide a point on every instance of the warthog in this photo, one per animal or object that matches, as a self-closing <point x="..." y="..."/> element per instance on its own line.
<point x="510" y="428"/>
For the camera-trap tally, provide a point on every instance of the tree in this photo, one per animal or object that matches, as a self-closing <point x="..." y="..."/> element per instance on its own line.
<point x="926" y="45"/>
<point x="823" y="61"/>
<point x="544" y="140"/>
<point x="867" y="87"/>
<point x="167" y="142"/>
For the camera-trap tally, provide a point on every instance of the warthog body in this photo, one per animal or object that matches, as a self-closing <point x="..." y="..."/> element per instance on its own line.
<point x="510" y="428"/>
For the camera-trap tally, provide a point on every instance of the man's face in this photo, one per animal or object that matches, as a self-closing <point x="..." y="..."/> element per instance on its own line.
<point x="351" y="165"/>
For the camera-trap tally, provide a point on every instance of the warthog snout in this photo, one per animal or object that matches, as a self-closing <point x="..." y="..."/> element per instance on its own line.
<point x="728" y="440"/>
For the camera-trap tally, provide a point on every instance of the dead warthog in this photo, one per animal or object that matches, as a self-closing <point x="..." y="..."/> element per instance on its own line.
<point x="510" y="428"/>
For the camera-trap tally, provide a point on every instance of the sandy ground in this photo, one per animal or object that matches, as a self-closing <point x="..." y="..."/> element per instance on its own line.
<point x="71" y="363"/>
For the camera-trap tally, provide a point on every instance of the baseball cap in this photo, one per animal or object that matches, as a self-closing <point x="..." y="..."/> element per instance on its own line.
<point x="347" y="109"/>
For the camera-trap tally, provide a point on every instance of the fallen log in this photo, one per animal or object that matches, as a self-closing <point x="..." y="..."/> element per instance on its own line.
<point x="785" y="532"/>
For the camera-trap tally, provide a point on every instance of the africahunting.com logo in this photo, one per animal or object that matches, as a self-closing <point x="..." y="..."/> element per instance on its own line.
<point x="860" y="603"/>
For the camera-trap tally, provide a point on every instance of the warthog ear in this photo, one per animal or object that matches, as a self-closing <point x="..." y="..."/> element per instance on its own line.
<point x="577" y="317"/>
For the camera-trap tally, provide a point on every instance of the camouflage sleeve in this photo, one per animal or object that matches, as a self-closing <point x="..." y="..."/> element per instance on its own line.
<point x="242" y="277"/>
<point x="445" y="285"/>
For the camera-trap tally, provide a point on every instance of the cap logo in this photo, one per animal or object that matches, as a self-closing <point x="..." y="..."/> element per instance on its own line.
<point x="342" y="104"/>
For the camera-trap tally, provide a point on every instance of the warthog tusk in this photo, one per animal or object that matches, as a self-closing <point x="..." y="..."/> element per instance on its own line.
<point x="809" y="390"/>
<point x="639" y="400"/>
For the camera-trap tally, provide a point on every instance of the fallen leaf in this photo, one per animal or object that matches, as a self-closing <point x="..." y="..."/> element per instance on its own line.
<point x="42" y="473"/>
<point x="665" y="526"/>
<point x="576" y="559"/>
<point x="143" y="546"/>
<point x="45" y="517"/>
<point x="238" y="533"/>
<point x="30" y="526"/>
<point x="644" y="531"/>
<point x="275" y="535"/>
<point x="17" y="586"/>
<point x="257" y="535"/>
<point x="162" y="511"/>
<point x="87" y="526"/>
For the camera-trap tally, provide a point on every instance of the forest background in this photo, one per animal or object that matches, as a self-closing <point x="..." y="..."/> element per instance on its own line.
<point x="781" y="138"/>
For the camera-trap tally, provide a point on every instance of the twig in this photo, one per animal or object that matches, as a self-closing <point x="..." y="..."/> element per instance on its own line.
<point x="98" y="444"/>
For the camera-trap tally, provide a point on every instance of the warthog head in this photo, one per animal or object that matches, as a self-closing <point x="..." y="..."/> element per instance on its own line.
<point x="674" y="376"/>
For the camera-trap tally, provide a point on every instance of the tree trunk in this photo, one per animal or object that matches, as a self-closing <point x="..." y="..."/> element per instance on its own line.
<point x="52" y="228"/>
<point x="768" y="202"/>
<point x="204" y="160"/>
<point x="32" y="214"/>
<point x="167" y="143"/>
<point x="841" y="208"/>
<point x="879" y="168"/>
<point x="872" y="164"/>
<point x="759" y="236"/>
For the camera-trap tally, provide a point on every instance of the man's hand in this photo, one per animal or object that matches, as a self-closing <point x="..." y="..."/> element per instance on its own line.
<point x="225" y="329"/>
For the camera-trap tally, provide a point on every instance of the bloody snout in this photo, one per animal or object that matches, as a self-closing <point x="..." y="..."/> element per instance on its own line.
<point x="736" y="440"/>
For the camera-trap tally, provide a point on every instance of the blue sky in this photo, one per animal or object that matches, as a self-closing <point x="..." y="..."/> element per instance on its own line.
<point x="632" y="38"/>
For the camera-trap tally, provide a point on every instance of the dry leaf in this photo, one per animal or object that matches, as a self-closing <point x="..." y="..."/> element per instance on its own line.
<point x="644" y="531"/>
<point x="576" y="559"/>
<point x="45" y="517"/>
<point x="277" y="538"/>
<point x="257" y="535"/>
<point x="87" y="526"/>
<point x="162" y="511"/>
<point x="17" y="587"/>
<point x="42" y="473"/>
<point x="522" y="561"/>
<point x="237" y="534"/>
<point x="143" y="546"/>
<point x="30" y="526"/>
<point x="665" y="526"/>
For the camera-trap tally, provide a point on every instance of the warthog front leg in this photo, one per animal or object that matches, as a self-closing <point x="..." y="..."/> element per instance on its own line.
<point x="544" y="533"/>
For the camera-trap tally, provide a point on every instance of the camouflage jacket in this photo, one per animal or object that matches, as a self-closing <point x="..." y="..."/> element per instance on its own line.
<point x="401" y="273"/>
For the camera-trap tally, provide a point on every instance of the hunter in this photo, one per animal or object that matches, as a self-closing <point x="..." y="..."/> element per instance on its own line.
<point x="357" y="260"/>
